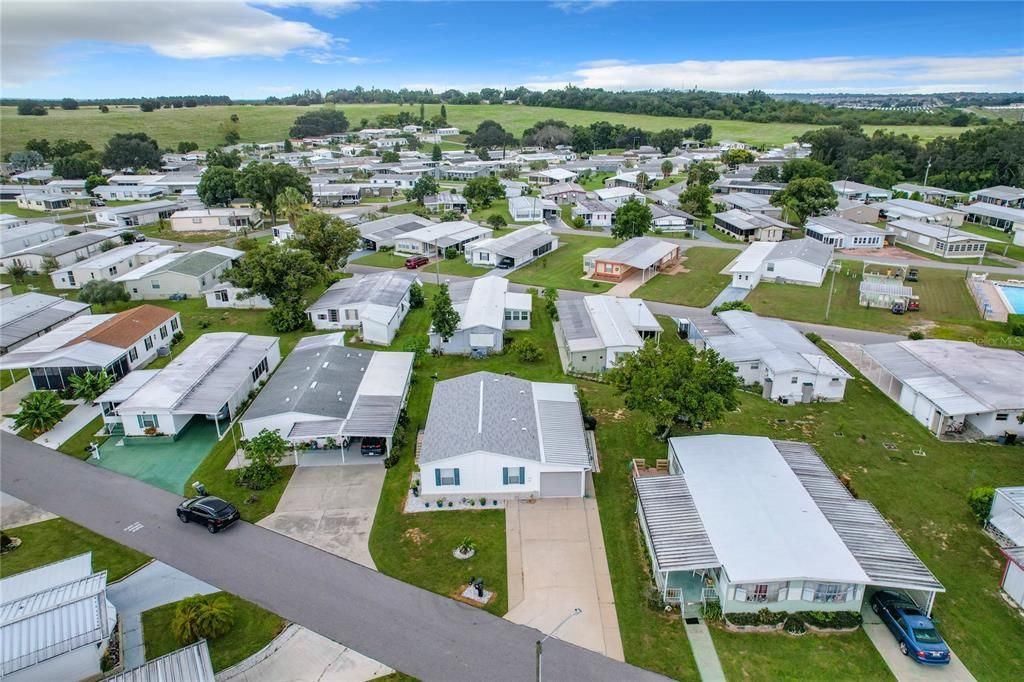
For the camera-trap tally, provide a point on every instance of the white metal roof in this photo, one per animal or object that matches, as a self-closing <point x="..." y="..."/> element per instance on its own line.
<point x="480" y="302"/>
<point x="640" y="252"/>
<point x="762" y="523"/>
<point x="957" y="376"/>
<point x="204" y="376"/>
<point x="940" y="232"/>
<point x="752" y="257"/>
<point x="127" y="386"/>
<point x="772" y="341"/>
<point x="518" y="244"/>
<point x="995" y="211"/>
<point x="678" y="537"/>
<point x="27" y="314"/>
<point x="189" y="664"/>
<point x="446" y="234"/>
<point x="911" y="208"/>
<point x="105" y="259"/>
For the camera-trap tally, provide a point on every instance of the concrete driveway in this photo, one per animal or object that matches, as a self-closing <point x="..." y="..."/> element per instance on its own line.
<point x="331" y="508"/>
<point x="902" y="667"/>
<point x="557" y="563"/>
<point x="15" y="512"/>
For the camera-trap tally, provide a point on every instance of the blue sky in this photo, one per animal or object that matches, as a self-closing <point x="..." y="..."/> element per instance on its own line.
<point x="253" y="49"/>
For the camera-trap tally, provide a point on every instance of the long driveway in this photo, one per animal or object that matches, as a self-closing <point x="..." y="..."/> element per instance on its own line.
<point x="407" y="628"/>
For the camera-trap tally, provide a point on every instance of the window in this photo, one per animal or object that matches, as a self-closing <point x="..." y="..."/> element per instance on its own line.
<point x="770" y="267"/>
<point x="260" y="369"/>
<point x="147" y="421"/>
<point x="828" y="593"/>
<point x="1002" y="416"/>
<point x="513" y="475"/>
<point x="221" y="295"/>
<point x="446" y="477"/>
<point x="332" y="315"/>
<point x="133" y="354"/>
<point x="755" y="365"/>
<point x="174" y="324"/>
<point x="148" y="342"/>
<point x="350" y="313"/>
<point x="759" y="592"/>
<point x="793" y="380"/>
<point x="154" y="283"/>
<point x="163" y="332"/>
<point x="112" y="271"/>
<point x="197" y="221"/>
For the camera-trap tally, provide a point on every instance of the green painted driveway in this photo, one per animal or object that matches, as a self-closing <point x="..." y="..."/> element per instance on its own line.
<point x="165" y="465"/>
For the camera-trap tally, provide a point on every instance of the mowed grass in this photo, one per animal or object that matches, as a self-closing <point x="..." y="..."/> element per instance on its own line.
<point x="253" y="629"/>
<point x="57" y="539"/>
<point x="259" y="123"/>
<point x="945" y="302"/>
<point x="1006" y="247"/>
<point x="563" y="267"/>
<point x="77" y="444"/>
<point x="697" y="287"/>
<point x="381" y="259"/>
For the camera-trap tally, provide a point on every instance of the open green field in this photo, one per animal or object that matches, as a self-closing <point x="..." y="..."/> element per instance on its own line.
<point x="57" y="539"/>
<point x="259" y="123"/>
<point x="1005" y="247"/>
<point x="563" y="267"/>
<point x="947" y="309"/>
<point x="253" y="629"/>
<point x="696" y="287"/>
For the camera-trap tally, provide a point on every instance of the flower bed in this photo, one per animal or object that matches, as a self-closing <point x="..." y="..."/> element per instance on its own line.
<point x="796" y="623"/>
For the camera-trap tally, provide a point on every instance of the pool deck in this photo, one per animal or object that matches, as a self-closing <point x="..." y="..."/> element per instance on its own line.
<point x="1004" y="300"/>
<point x="998" y="311"/>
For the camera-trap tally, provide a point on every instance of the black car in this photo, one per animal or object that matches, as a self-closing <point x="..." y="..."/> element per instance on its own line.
<point x="373" y="447"/>
<point x="506" y="264"/>
<point x="212" y="512"/>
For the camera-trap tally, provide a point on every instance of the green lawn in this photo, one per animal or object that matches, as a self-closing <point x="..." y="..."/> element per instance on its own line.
<point x="699" y="286"/>
<point x="253" y="629"/>
<point x="154" y="231"/>
<point x="48" y="541"/>
<point x="258" y="123"/>
<point x="6" y="378"/>
<point x="595" y="181"/>
<point x="456" y="266"/>
<point x="12" y="208"/>
<point x="1011" y="250"/>
<point x="719" y="234"/>
<point x="945" y="302"/>
<point x="499" y="208"/>
<point x="780" y="656"/>
<point x="382" y="259"/>
<point x="563" y="267"/>
<point x="985" y="261"/>
<point x="76" y="445"/>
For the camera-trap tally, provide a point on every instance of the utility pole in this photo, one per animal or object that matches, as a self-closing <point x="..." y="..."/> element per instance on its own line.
<point x="926" y="171"/>
<point x="831" y="288"/>
<point x="540" y="642"/>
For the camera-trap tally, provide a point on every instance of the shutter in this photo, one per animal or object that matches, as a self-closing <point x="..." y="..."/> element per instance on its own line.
<point x="456" y="476"/>
<point x="437" y="477"/>
<point x="139" y="417"/>
<point x="504" y="475"/>
<point x="741" y="594"/>
<point x="522" y="475"/>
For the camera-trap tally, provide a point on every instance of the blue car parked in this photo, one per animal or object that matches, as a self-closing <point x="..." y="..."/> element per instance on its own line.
<point x="914" y="631"/>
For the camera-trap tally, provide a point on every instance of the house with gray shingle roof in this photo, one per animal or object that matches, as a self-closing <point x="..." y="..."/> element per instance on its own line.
<point x="374" y="304"/>
<point x="494" y="435"/>
<point x="190" y="274"/>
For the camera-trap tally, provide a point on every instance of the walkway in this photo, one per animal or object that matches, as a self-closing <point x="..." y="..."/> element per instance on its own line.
<point x="155" y="584"/>
<point x="557" y="563"/>
<point x="407" y="628"/>
<point x="10" y="397"/>
<point x="729" y="294"/>
<point x="73" y="422"/>
<point x="298" y="654"/>
<point x="704" y="653"/>
<point x="903" y="667"/>
<point x="626" y="287"/>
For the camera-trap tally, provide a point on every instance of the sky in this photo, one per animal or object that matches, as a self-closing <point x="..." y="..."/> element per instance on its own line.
<point x="252" y="49"/>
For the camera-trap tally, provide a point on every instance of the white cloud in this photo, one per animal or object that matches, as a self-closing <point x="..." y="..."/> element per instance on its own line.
<point x="325" y="8"/>
<point x="33" y="30"/>
<point x="825" y="74"/>
<point x="581" y="6"/>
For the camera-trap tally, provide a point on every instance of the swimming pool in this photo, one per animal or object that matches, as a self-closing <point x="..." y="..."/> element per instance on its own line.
<point x="1013" y="297"/>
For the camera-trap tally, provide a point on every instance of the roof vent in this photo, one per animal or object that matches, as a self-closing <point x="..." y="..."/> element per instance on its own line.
<point x="307" y="368"/>
<point x="287" y="399"/>
<point x="514" y="419"/>
<point x="312" y="385"/>
<point x="523" y="429"/>
<point x="295" y="388"/>
<point x="324" y="366"/>
<point x="362" y="369"/>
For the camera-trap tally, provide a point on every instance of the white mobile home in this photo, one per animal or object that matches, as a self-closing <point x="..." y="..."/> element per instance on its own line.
<point x="26" y="235"/>
<point x="189" y="274"/>
<point x="796" y="261"/>
<point x="28" y="316"/>
<point x="896" y="209"/>
<point x="768" y="526"/>
<point x="43" y="201"/>
<point x="840" y="233"/>
<point x="108" y="264"/>
<point x="594" y="331"/>
<point x="65" y="250"/>
<point x="208" y="380"/>
<point x="139" y="214"/>
<point x="214" y="219"/>
<point x="435" y="238"/>
<point x="127" y="192"/>
<point x="751" y="227"/>
<point x="512" y="250"/>
<point x="951" y="384"/>
<point x="498" y="436"/>
<point x="847" y="189"/>
<point x="531" y="209"/>
<point x="944" y="241"/>
<point x="617" y="196"/>
<point x="595" y="212"/>
<point x="486" y="308"/>
<point x="373" y="304"/>
<point x="993" y="215"/>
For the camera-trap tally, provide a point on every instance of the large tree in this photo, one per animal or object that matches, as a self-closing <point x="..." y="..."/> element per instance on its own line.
<point x="219" y="157"/>
<point x="489" y="134"/>
<point x="102" y="292"/>
<point x="767" y="173"/>
<point x="672" y="384"/>
<point x="482" y="191"/>
<point x="218" y="186"/>
<point x="77" y="167"/>
<point x="425" y="186"/>
<point x="702" y="173"/>
<point x="436" y="154"/>
<point x="666" y="168"/>
<point x="326" y="121"/>
<point x="796" y="169"/>
<point x="278" y="273"/>
<point x="329" y="239"/>
<point x="443" y="317"/>
<point x="696" y="199"/>
<point x="806" y="197"/>
<point x="263" y="182"/>
<point x="734" y="157"/>
<point x="132" y="150"/>
<point x="632" y="219"/>
<point x="292" y="205"/>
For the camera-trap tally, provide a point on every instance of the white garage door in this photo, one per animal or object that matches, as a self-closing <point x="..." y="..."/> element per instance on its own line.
<point x="560" y="484"/>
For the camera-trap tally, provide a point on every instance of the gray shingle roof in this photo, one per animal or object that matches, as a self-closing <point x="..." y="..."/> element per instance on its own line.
<point x="380" y="288"/>
<point x="810" y="250"/>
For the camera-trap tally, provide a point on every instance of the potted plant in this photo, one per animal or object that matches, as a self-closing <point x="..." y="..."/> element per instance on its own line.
<point x="465" y="550"/>
<point x="483" y="501"/>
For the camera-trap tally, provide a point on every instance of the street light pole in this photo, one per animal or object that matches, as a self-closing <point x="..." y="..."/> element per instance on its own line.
<point x="540" y="642"/>
<point x="831" y="288"/>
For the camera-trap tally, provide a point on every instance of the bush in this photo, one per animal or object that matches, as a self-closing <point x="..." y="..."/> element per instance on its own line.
<point x="794" y="625"/>
<point x="711" y="611"/>
<point x="830" y="620"/>
<point x="915" y="335"/>
<point x="202" y="617"/>
<point x="813" y="338"/>
<point x="731" y="305"/>
<point x="287" y="317"/>
<point x="1015" y="325"/>
<point x="762" y="617"/>
<point x="980" y="502"/>
<point x="527" y="350"/>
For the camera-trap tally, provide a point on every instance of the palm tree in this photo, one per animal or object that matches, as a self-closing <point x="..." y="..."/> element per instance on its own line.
<point x="291" y="204"/>
<point x="666" y="168"/>
<point x="89" y="386"/>
<point x="18" y="271"/>
<point x="641" y="180"/>
<point x="40" y="411"/>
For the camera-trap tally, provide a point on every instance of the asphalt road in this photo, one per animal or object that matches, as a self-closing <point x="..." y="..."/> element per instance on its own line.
<point x="412" y="630"/>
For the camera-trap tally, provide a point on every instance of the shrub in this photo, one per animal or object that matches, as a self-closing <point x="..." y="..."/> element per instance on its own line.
<point x="467" y="545"/>
<point x="915" y="335"/>
<point x="830" y="620"/>
<point x="813" y="338"/>
<point x="762" y="617"/>
<point x="416" y="298"/>
<point x="980" y="502"/>
<point x="264" y="451"/>
<point x="39" y="411"/>
<point x="5" y="542"/>
<point x="711" y="611"/>
<point x="202" y="617"/>
<point x="287" y="317"/>
<point x="794" y="625"/>
<point x="731" y="305"/>
<point x="527" y="350"/>
<point x="1015" y="325"/>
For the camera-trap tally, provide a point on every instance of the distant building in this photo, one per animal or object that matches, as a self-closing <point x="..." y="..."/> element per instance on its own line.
<point x="840" y="233"/>
<point x="595" y="331"/>
<point x="648" y="255"/>
<point x="28" y="316"/>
